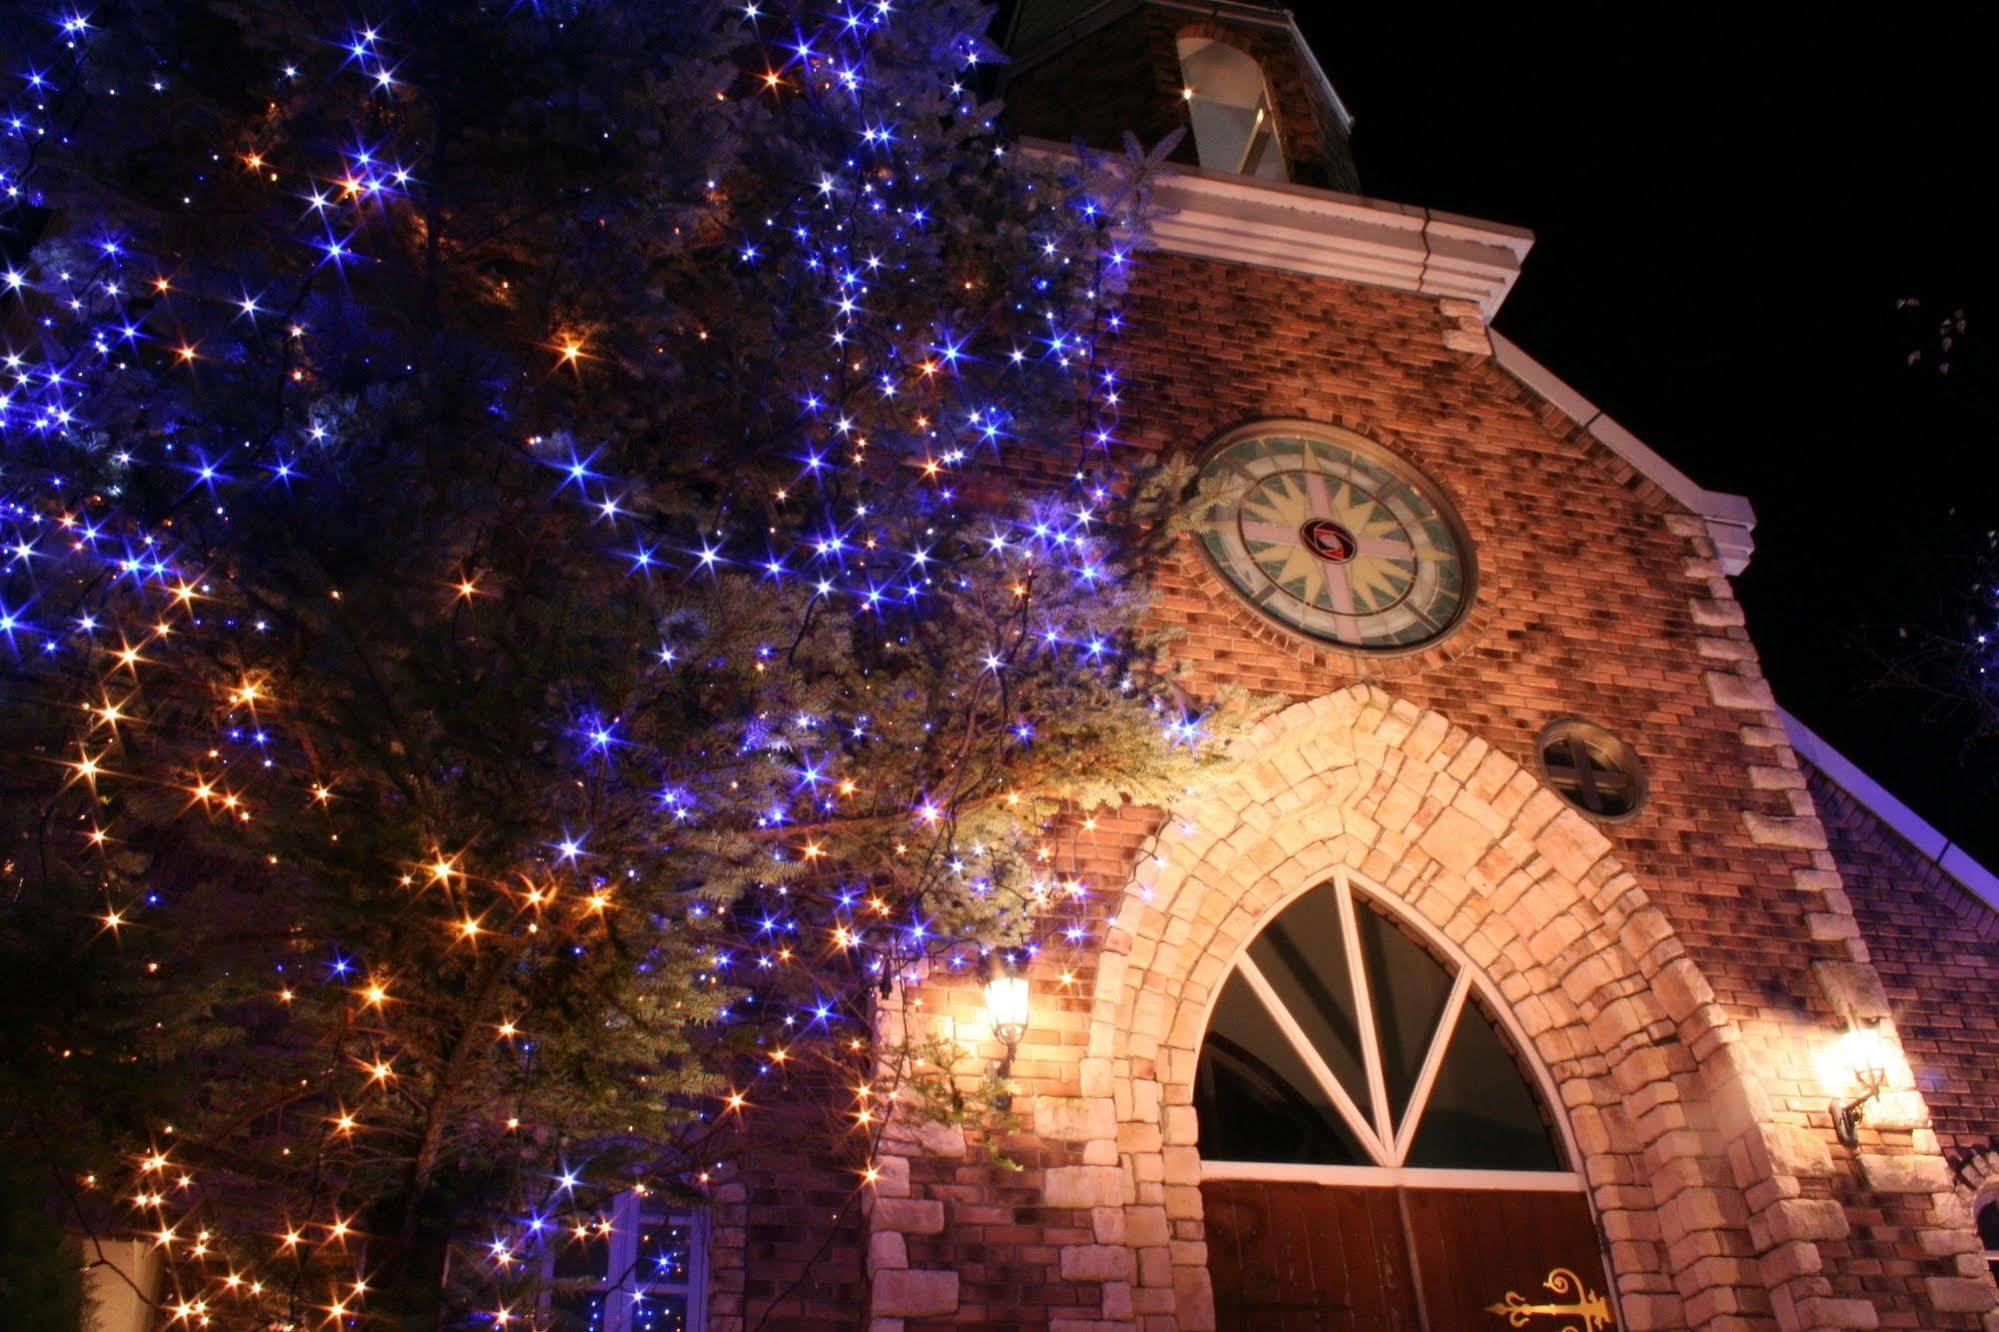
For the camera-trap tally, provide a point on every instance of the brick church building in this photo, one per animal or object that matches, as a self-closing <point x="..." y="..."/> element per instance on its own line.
<point x="1535" y="969"/>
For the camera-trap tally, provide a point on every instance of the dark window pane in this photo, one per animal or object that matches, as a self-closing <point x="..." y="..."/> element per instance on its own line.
<point x="1301" y="955"/>
<point x="1988" y="1225"/>
<point x="1254" y="1097"/>
<point x="1482" y="1113"/>
<point x="662" y="1257"/>
<point x="660" y="1313"/>
<point x="576" y="1310"/>
<point x="1408" y="989"/>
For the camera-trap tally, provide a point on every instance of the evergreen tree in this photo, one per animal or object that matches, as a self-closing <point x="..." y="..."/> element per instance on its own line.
<point x="552" y="551"/>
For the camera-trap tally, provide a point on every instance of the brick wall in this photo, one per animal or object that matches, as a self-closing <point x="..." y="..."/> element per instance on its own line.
<point x="1678" y="972"/>
<point x="787" y="1227"/>
<point x="1936" y="946"/>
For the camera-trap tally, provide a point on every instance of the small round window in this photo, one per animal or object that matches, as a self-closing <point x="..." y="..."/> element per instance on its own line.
<point x="1592" y="769"/>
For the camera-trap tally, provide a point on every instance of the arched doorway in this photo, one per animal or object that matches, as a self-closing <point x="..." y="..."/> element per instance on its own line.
<point x="1376" y="1150"/>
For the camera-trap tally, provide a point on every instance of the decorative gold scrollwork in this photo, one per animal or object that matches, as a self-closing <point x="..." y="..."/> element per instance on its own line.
<point x="1592" y="1308"/>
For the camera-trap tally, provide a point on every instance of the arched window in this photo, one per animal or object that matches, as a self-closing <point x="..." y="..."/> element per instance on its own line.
<point x="1341" y="1044"/>
<point x="1374" y="1152"/>
<point x="1988" y="1228"/>
<point x="1229" y="105"/>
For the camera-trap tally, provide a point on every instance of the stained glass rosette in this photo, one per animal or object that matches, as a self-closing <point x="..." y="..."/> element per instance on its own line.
<point x="1328" y="536"/>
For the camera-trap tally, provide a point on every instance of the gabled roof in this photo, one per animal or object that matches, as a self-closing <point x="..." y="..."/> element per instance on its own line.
<point x="1910" y="826"/>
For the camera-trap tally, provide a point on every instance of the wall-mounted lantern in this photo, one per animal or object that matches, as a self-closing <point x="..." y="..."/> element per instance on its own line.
<point x="1862" y="1059"/>
<point x="1006" y="1006"/>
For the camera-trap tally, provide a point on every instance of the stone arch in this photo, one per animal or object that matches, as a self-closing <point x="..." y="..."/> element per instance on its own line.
<point x="1667" y="1119"/>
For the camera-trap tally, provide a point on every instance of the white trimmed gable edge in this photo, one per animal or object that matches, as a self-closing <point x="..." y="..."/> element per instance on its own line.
<point x="1908" y="825"/>
<point x="1731" y="521"/>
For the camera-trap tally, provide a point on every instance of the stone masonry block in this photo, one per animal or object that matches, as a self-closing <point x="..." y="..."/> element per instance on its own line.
<point x="1905" y="1174"/>
<point x="1083" y="1186"/>
<point x="914" y="1293"/>
<point x="1803" y="834"/>
<point x="1096" y="1262"/>
<point x="911" y="1216"/>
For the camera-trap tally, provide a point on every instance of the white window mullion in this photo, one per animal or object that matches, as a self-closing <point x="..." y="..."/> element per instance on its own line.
<point x="1329" y="1081"/>
<point x="623" y="1263"/>
<point x="1433" y="1060"/>
<point x="1370" y="1040"/>
<point x="1396" y="1177"/>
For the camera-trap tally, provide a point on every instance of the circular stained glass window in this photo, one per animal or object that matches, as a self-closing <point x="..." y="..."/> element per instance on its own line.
<point x="1328" y="535"/>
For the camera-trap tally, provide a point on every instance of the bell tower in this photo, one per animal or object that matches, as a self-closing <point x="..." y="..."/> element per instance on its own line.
<point x="1237" y="77"/>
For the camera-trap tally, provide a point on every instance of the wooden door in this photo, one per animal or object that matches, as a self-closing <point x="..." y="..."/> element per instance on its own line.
<point x="1303" y="1257"/>
<point x="1296" y="1257"/>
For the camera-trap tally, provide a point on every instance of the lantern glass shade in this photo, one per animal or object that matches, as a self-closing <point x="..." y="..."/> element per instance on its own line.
<point x="1006" y="1005"/>
<point x="1863" y="1055"/>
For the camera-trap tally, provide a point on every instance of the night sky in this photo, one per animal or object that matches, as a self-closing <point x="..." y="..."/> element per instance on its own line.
<point x="1726" y="217"/>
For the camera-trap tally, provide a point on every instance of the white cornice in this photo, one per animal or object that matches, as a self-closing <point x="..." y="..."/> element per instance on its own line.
<point x="1910" y="826"/>
<point x="1731" y="522"/>
<point x="1219" y="215"/>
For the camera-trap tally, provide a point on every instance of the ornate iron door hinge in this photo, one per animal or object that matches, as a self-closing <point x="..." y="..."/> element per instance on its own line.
<point x="1592" y="1308"/>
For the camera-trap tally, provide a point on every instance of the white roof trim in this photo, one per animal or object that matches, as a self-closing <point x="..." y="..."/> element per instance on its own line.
<point x="1730" y="519"/>
<point x="1220" y="215"/>
<point x="1910" y="826"/>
